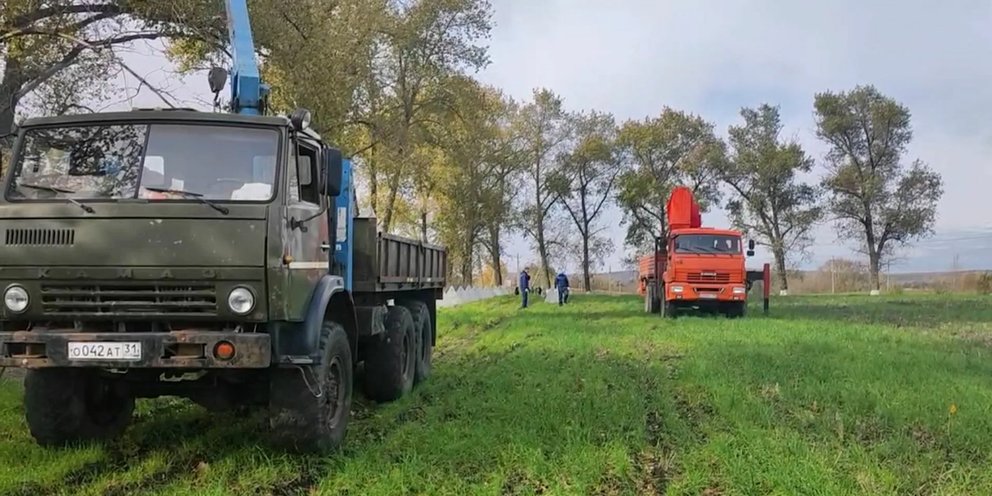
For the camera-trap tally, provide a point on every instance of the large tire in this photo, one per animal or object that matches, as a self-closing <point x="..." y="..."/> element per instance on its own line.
<point x="300" y="419"/>
<point x="735" y="310"/>
<point x="651" y="302"/>
<point x="391" y="363"/>
<point x="424" y="333"/>
<point x="66" y="406"/>
<point x="669" y="310"/>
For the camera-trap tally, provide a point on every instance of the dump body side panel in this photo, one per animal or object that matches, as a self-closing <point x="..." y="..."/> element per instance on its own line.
<point x="389" y="263"/>
<point x="646" y="269"/>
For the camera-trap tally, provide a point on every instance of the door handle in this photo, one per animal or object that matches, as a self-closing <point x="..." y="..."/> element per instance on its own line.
<point x="325" y="246"/>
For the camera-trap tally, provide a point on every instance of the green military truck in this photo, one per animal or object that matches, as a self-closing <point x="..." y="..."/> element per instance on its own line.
<point x="212" y="256"/>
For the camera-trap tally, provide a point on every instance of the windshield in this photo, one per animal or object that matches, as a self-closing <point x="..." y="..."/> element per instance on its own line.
<point x="707" y="243"/>
<point x="155" y="162"/>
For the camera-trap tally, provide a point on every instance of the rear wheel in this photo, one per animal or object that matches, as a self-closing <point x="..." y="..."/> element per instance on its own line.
<point x="423" y="331"/>
<point x="391" y="363"/>
<point x="651" y="302"/>
<point x="66" y="406"/>
<point x="309" y="408"/>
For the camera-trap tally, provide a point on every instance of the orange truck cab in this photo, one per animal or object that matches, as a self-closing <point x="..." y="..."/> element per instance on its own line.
<point x="701" y="268"/>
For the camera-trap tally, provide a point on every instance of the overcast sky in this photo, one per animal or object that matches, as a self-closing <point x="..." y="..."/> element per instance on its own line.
<point x="632" y="57"/>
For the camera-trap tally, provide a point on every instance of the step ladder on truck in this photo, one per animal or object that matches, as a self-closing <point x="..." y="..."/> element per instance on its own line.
<point x="698" y="268"/>
<point x="215" y="256"/>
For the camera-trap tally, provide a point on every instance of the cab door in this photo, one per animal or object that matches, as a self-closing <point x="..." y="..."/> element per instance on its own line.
<point x="305" y="224"/>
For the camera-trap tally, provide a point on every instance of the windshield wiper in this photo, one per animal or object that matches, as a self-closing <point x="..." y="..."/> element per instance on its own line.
<point x="86" y="208"/>
<point x="189" y="194"/>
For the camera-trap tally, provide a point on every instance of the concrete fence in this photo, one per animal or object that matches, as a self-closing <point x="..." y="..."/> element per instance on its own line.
<point x="458" y="295"/>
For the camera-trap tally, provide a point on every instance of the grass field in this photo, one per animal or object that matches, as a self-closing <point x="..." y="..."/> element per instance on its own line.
<point x="828" y="395"/>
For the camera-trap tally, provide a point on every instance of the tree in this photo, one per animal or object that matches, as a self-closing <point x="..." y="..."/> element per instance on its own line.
<point x="423" y="43"/>
<point x="544" y="128"/>
<point x="588" y="174"/>
<point x="770" y="202"/>
<point x="844" y="275"/>
<point x="500" y="198"/>
<point x="874" y="197"/>
<point x="41" y="40"/>
<point x="672" y="149"/>
<point x="475" y="153"/>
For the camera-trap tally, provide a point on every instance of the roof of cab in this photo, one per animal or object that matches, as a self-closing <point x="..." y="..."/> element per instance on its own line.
<point x="705" y="230"/>
<point x="158" y="115"/>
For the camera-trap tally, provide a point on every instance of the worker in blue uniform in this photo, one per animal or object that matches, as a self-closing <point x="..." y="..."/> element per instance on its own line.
<point x="524" y="287"/>
<point x="561" y="284"/>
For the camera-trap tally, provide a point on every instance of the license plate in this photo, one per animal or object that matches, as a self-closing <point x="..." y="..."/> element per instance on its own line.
<point x="104" y="351"/>
<point x="707" y="296"/>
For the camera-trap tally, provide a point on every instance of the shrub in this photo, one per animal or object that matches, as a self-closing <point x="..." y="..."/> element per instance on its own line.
<point x="984" y="283"/>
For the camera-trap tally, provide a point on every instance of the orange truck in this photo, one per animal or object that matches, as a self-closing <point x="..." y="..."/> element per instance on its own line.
<point x="701" y="268"/>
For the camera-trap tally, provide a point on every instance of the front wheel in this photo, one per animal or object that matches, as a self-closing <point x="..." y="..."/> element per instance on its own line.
<point x="309" y="408"/>
<point x="735" y="310"/>
<point x="66" y="406"/>
<point x="669" y="310"/>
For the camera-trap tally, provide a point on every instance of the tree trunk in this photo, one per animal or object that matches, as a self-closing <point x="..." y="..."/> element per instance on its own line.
<point x="13" y="79"/>
<point x="783" y="278"/>
<point x="467" y="263"/>
<point x="542" y="249"/>
<point x="373" y="182"/>
<point x="387" y="217"/>
<point x="586" y="277"/>
<point x="874" y="254"/>
<point x="494" y="254"/>
<point x="874" y="264"/>
<point x="423" y="225"/>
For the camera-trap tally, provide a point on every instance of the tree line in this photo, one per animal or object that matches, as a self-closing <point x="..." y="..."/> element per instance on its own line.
<point x="448" y="159"/>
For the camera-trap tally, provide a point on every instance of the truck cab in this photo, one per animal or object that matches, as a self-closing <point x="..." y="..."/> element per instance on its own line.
<point x="705" y="269"/>
<point x="204" y="255"/>
<point x="158" y="221"/>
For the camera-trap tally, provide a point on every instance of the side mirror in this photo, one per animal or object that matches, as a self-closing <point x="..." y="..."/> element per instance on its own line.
<point x="333" y="171"/>
<point x="750" y="245"/>
<point x="303" y="170"/>
<point x="750" y="253"/>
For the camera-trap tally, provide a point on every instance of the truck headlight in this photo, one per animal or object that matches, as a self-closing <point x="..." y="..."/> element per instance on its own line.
<point x="740" y="290"/>
<point x="676" y="289"/>
<point x="241" y="300"/>
<point x="15" y="298"/>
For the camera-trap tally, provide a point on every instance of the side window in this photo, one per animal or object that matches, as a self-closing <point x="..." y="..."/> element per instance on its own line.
<point x="306" y="172"/>
<point x="292" y="181"/>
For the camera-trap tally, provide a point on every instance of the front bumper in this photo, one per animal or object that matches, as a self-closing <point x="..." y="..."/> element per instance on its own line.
<point x="169" y="350"/>
<point x="697" y="293"/>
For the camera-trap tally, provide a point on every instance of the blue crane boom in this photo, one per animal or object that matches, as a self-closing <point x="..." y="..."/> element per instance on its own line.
<point x="248" y="93"/>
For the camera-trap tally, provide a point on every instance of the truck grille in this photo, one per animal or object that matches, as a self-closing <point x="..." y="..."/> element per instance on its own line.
<point x="40" y="237"/>
<point x="708" y="276"/>
<point x="176" y="299"/>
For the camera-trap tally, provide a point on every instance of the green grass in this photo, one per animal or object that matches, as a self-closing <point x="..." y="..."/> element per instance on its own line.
<point x="828" y="395"/>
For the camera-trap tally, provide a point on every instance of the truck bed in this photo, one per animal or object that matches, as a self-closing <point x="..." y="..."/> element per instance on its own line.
<point x="646" y="265"/>
<point x="388" y="263"/>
